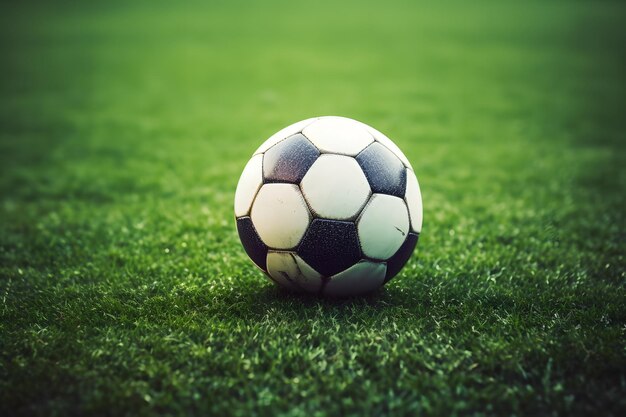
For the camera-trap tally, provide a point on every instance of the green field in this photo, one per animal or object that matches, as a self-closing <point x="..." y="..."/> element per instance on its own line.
<point x="124" y="289"/>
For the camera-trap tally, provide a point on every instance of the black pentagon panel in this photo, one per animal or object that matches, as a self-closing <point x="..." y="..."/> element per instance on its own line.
<point x="330" y="246"/>
<point x="384" y="171"/>
<point x="289" y="160"/>
<point x="252" y="243"/>
<point x="402" y="256"/>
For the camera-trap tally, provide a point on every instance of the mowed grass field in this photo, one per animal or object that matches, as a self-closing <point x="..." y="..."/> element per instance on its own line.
<point x="124" y="128"/>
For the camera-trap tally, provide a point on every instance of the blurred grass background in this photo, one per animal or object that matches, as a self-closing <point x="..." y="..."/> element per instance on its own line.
<point x="124" y="128"/>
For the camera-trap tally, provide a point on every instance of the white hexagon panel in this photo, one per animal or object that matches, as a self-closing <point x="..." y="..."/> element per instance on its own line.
<point x="289" y="270"/>
<point x="280" y="215"/>
<point x="383" y="226"/>
<point x="361" y="278"/>
<point x="335" y="187"/>
<point x="249" y="183"/>
<point x="413" y="198"/>
<point x="338" y="135"/>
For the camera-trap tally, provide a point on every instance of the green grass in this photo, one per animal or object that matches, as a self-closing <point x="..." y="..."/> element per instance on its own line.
<point x="124" y="289"/>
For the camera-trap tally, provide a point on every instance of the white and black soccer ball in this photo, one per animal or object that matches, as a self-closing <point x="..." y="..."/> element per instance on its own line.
<point x="329" y="205"/>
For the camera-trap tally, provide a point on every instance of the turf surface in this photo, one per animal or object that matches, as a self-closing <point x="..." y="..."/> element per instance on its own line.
<point x="124" y="289"/>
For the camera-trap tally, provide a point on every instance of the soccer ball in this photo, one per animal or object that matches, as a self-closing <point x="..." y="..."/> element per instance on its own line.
<point x="330" y="206"/>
